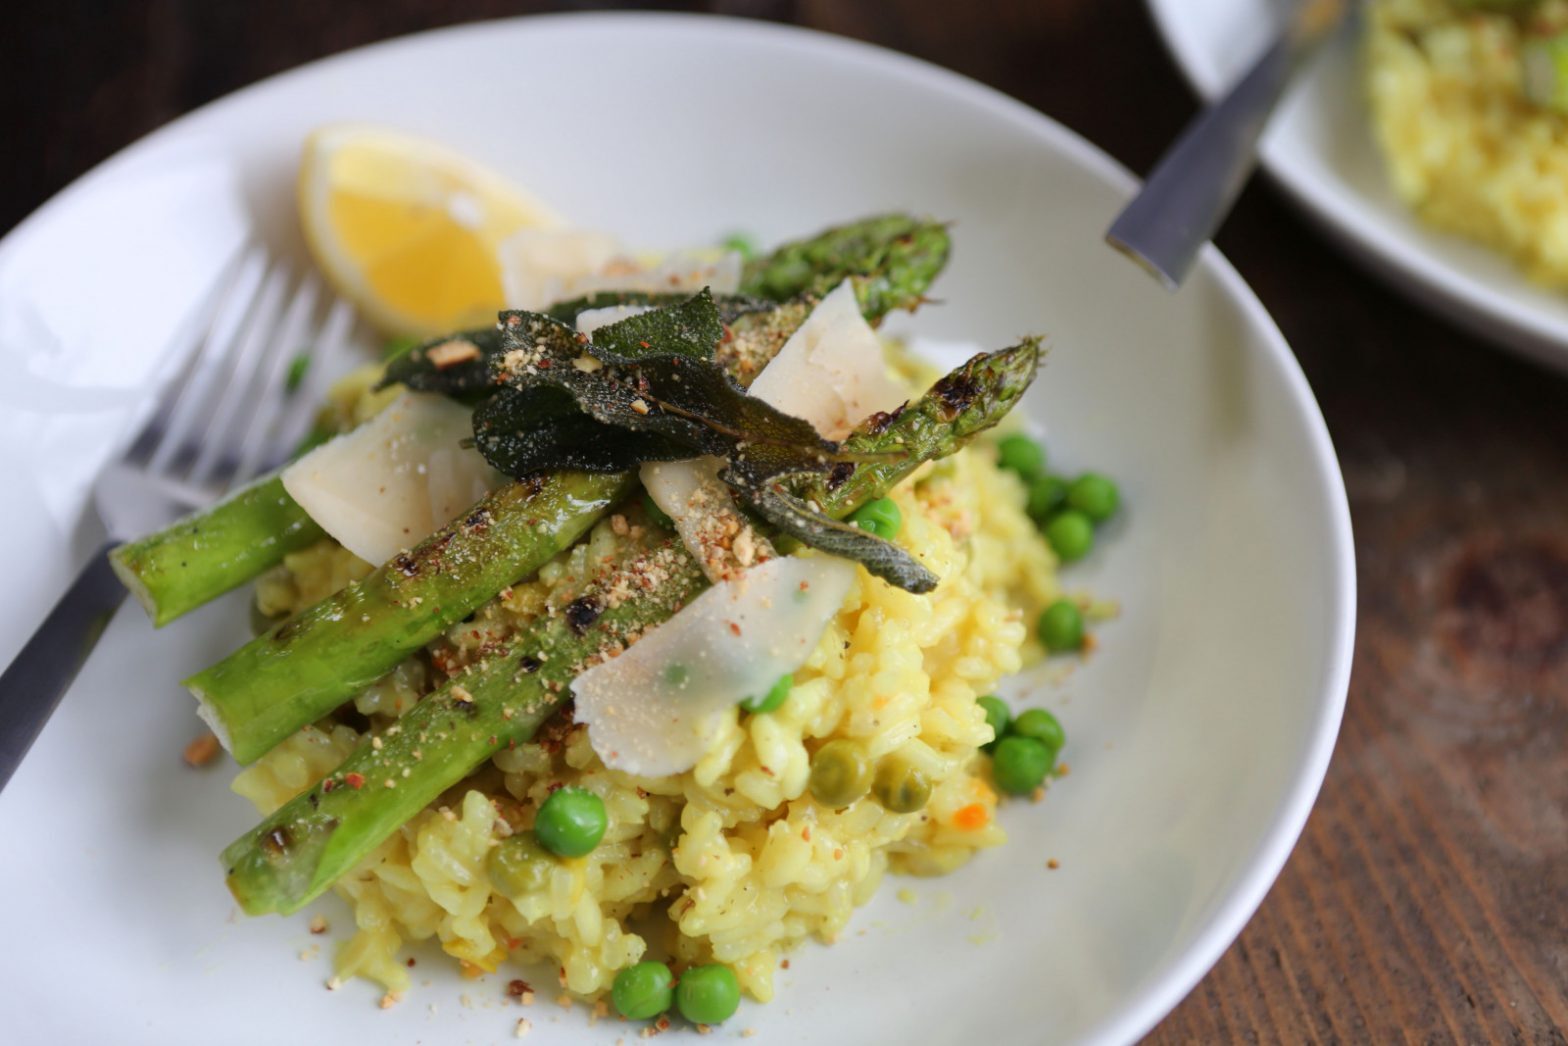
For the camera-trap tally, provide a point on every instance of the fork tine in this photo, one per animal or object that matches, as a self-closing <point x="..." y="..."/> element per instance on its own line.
<point x="237" y="400"/>
<point x="305" y="401"/>
<point x="184" y="354"/>
<point x="208" y="364"/>
<point x="271" y="394"/>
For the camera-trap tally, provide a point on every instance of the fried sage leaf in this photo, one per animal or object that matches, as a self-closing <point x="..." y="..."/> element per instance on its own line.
<point x="457" y="365"/>
<point x="654" y="375"/>
<point x="525" y="431"/>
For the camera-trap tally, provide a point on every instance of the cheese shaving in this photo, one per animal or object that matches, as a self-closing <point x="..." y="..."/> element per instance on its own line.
<point x="654" y="710"/>
<point x="396" y="479"/>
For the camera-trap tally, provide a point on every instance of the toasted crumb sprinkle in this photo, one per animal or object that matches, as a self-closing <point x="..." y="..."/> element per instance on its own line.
<point x="334" y="983"/>
<point x="564" y="1001"/>
<point x="201" y="751"/>
<point x="640" y="405"/>
<point x="704" y="1029"/>
<point x="747" y="1033"/>
<point x="391" y="999"/>
<point x="461" y="694"/>
<point x="1053" y="864"/>
<point x="524" y="1026"/>
<point x="451" y="353"/>
<point x="318" y="924"/>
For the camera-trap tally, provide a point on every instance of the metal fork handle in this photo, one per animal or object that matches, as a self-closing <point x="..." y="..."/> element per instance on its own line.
<point x="1187" y="196"/>
<point x="39" y="676"/>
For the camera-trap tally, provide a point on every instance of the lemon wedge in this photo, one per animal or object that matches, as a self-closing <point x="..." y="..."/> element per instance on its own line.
<point x="408" y="230"/>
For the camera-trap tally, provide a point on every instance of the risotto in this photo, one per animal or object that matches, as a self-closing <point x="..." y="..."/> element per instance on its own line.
<point x="636" y="636"/>
<point x="732" y="861"/>
<point x="1465" y="147"/>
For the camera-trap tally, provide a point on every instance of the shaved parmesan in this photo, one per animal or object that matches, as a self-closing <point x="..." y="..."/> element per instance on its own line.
<point x="714" y="531"/>
<point x="831" y="371"/>
<point x="539" y="265"/>
<point x="655" y="709"/>
<point x="396" y="479"/>
<point x="542" y="266"/>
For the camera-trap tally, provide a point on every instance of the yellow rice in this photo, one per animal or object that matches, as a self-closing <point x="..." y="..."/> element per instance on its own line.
<point x="1464" y="147"/>
<point x="731" y="861"/>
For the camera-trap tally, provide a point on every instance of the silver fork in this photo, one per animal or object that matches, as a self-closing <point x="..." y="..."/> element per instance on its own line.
<point x="225" y="417"/>
<point x="1190" y="191"/>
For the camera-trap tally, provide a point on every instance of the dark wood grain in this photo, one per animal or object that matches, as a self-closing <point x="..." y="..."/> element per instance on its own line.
<point x="1428" y="898"/>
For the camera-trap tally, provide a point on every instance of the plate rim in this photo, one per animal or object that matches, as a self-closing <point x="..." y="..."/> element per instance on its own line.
<point x="1441" y="288"/>
<point x="1166" y="987"/>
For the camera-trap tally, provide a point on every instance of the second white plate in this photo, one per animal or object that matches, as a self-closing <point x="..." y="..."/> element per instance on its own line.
<point x="1320" y="148"/>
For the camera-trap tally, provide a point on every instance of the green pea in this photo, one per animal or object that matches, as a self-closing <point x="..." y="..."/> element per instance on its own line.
<point x="519" y="865"/>
<point x="571" y="822"/>
<point x="741" y="244"/>
<point x="643" y="991"/>
<point x="656" y="515"/>
<point x="881" y="517"/>
<point x="299" y="366"/>
<point x="1020" y="764"/>
<point x="1071" y="535"/>
<point x="770" y="701"/>
<point x="1020" y="454"/>
<point x="708" y="994"/>
<point x="1095" y="496"/>
<point x="840" y="773"/>
<point x="997" y="715"/>
<point x="1043" y="727"/>
<point x="1046" y="495"/>
<point x="901" y="786"/>
<point x="1061" y="627"/>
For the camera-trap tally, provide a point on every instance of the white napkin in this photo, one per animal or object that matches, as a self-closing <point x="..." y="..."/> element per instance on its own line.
<point x="93" y="291"/>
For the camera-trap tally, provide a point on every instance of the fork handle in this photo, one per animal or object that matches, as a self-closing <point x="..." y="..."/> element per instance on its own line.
<point x="38" y="677"/>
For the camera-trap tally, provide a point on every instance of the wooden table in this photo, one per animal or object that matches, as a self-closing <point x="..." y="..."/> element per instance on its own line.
<point x="1428" y="898"/>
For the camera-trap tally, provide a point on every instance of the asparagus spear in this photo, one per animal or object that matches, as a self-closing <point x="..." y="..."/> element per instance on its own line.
<point x="199" y="558"/>
<point x="298" y="852"/>
<point x="204" y="555"/>
<point x="902" y="245"/>
<point x="308" y="665"/>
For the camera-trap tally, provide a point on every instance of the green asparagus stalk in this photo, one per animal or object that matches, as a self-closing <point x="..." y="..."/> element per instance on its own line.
<point x="204" y="555"/>
<point x="310" y="664"/>
<point x="199" y="558"/>
<point x="905" y="249"/>
<point x="299" y="851"/>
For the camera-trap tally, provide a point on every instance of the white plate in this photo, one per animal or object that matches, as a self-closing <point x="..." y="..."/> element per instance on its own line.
<point x="1199" y="733"/>
<point x="1319" y="146"/>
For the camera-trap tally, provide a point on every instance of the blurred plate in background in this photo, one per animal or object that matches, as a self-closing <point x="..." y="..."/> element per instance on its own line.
<point x="1320" y="148"/>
